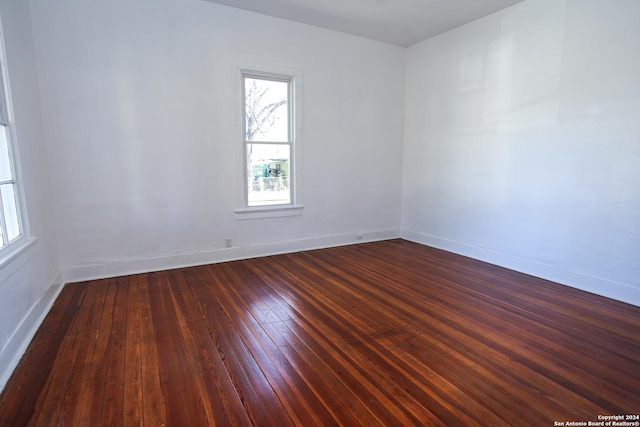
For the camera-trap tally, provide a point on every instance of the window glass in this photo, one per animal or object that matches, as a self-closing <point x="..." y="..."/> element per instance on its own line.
<point x="268" y="177"/>
<point x="266" y="110"/>
<point x="10" y="211"/>
<point x="5" y="162"/>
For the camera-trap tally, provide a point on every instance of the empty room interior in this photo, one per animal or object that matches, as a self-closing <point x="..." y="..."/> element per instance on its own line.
<point x="312" y="212"/>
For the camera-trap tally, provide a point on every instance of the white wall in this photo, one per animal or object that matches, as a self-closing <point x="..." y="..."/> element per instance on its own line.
<point x="29" y="283"/>
<point x="138" y="101"/>
<point x="520" y="137"/>
<point x="522" y="142"/>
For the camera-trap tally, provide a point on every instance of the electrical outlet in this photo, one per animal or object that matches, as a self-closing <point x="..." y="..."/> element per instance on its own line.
<point x="227" y="243"/>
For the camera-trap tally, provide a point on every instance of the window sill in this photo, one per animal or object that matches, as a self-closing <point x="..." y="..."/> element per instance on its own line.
<point x="268" y="212"/>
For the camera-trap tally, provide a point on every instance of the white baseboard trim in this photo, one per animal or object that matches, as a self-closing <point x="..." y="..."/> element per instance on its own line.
<point x="145" y="265"/>
<point x="17" y="344"/>
<point x="599" y="286"/>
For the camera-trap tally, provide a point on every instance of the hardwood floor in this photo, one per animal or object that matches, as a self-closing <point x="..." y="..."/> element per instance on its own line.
<point x="388" y="333"/>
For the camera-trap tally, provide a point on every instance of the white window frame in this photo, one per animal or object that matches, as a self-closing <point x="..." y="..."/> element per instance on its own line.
<point x="10" y="250"/>
<point x="294" y="78"/>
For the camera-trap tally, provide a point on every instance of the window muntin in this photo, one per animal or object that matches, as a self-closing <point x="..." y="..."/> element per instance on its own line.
<point x="268" y="139"/>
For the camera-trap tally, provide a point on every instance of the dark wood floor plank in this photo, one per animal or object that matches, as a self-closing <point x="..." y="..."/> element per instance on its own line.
<point x="354" y="368"/>
<point x="473" y="315"/>
<point x="387" y="333"/>
<point x="112" y="400"/>
<point x="217" y="392"/>
<point x="576" y="307"/>
<point x="262" y="406"/>
<point x="350" y="332"/>
<point x="422" y="375"/>
<point x="153" y="403"/>
<point x="94" y="379"/>
<point x="104" y="374"/>
<point x="62" y="399"/>
<point x="132" y="414"/>
<point x="292" y="390"/>
<point x="306" y="352"/>
<point x="44" y="348"/>
<point x="174" y="357"/>
<point x="410" y="339"/>
<point x="270" y="317"/>
<point x="211" y="406"/>
<point x="553" y="366"/>
<point x="547" y="342"/>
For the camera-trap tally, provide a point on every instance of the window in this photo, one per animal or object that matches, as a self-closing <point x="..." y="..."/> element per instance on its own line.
<point x="268" y="139"/>
<point x="270" y="120"/>
<point x="10" y="219"/>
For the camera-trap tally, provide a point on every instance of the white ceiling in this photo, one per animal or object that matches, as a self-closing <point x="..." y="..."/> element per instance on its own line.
<point x="400" y="22"/>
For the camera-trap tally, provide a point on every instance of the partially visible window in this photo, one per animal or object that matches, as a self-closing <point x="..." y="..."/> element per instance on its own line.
<point x="268" y="139"/>
<point x="10" y="220"/>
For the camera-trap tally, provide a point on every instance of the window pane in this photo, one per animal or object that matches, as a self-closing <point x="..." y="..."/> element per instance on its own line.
<point x="5" y="164"/>
<point x="266" y="110"/>
<point x="3" y="108"/>
<point x="10" y="211"/>
<point x="268" y="174"/>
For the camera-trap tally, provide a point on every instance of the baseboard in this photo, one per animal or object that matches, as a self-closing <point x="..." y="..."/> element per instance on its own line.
<point x="17" y="344"/>
<point x="603" y="287"/>
<point x="145" y="265"/>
